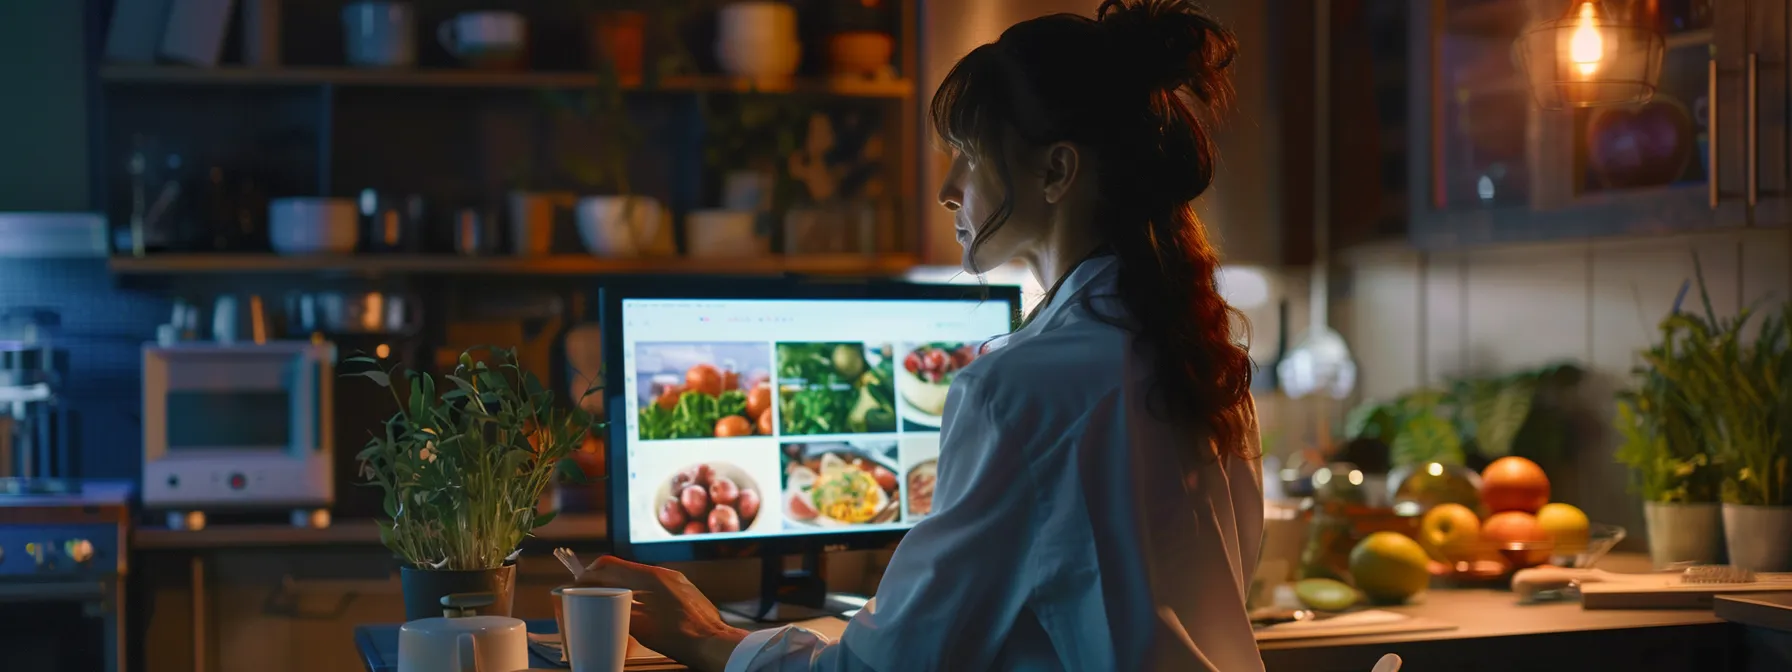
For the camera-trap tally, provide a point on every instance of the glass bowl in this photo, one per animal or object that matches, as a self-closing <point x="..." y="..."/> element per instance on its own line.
<point x="1600" y="540"/>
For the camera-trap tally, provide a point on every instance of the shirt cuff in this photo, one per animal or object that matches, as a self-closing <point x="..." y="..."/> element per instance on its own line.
<point x="749" y="647"/>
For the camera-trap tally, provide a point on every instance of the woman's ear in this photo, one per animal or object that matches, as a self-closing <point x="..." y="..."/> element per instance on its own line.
<point x="1062" y="165"/>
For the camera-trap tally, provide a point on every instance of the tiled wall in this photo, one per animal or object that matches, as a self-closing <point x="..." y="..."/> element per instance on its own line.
<point x="103" y="330"/>
<point x="1413" y="319"/>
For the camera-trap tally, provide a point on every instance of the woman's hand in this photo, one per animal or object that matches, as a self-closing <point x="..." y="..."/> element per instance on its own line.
<point x="670" y="615"/>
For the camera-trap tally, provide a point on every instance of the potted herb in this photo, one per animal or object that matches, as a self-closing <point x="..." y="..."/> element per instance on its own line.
<point x="1732" y="395"/>
<point x="1670" y="469"/>
<point x="462" y="467"/>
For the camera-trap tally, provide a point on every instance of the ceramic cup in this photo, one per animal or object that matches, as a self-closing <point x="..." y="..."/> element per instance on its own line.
<point x="379" y="34"/>
<point x="621" y="227"/>
<point x="486" y="39"/>
<point x="465" y="644"/>
<point x="596" y="627"/>
<point x="306" y="225"/>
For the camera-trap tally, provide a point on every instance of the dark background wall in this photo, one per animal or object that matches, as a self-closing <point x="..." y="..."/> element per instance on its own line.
<point x="44" y="145"/>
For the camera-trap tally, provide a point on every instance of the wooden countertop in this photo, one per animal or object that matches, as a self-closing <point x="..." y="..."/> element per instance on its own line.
<point x="1497" y="613"/>
<point x="568" y="527"/>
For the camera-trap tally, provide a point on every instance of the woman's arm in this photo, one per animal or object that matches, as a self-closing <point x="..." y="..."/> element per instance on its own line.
<point x="954" y="587"/>
<point x="959" y="578"/>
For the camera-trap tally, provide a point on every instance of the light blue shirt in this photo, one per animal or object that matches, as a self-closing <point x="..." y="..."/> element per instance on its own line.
<point x="1072" y="529"/>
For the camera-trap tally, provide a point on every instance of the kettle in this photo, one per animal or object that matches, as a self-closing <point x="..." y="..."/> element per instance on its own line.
<point x="462" y="641"/>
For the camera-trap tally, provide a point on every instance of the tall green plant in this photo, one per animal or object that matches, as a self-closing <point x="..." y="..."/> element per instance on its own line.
<point x="1712" y="392"/>
<point x="462" y="468"/>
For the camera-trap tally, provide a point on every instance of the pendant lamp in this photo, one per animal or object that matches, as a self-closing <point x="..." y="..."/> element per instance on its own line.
<point x="1590" y="58"/>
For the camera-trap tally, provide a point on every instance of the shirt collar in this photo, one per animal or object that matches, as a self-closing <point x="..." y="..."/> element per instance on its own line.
<point x="1090" y="272"/>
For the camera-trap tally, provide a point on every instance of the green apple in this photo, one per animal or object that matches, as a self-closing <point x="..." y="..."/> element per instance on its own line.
<point x="1448" y="528"/>
<point x="1389" y="567"/>
<point x="1565" y="525"/>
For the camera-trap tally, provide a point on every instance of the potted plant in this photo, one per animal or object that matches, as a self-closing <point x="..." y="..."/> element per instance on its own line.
<point x="1734" y="393"/>
<point x="462" y="467"/>
<point x="1671" y="470"/>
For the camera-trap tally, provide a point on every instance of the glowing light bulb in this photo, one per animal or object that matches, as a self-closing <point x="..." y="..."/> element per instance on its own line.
<point x="1585" y="47"/>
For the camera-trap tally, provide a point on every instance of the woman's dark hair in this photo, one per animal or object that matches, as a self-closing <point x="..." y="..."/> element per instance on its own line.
<point x="1124" y="87"/>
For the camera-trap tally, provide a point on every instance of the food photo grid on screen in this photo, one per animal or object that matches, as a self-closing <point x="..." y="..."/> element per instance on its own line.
<point x="778" y="417"/>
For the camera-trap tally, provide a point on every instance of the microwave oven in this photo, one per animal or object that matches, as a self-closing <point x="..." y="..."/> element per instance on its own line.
<point x="238" y="427"/>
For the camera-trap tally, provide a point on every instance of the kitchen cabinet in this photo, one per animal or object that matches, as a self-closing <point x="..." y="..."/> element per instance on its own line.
<point x="1489" y="166"/>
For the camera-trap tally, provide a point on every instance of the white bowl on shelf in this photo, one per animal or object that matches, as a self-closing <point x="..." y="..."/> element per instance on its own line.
<point x="312" y="225"/>
<point x="624" y="227"/>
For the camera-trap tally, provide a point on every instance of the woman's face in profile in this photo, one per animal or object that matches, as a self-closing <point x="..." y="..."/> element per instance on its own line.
<point x="973" y="190"/>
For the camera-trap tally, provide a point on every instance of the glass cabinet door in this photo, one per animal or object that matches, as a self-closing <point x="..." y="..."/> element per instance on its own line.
<point x="1502" y="169"/>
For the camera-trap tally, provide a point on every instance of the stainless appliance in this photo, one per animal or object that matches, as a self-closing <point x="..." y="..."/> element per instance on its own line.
<point x="29" y="433"/>
<point x="238" y="427"/>
<point x="62" y="575"/>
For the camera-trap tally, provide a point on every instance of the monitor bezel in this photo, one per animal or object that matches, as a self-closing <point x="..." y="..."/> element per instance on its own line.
<point x="610" y="298"/>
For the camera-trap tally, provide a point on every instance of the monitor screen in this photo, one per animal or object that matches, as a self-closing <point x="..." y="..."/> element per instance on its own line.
<point x="776" y="418"/>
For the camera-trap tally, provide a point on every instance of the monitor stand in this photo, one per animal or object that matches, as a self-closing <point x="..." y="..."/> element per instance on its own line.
<point x="793" y="595"/>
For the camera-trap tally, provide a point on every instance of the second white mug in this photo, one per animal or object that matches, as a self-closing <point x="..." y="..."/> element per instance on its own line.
<point x="596" y="627"/>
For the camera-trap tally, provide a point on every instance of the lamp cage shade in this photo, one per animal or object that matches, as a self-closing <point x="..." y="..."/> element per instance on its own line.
<point x="1587" y="58"/>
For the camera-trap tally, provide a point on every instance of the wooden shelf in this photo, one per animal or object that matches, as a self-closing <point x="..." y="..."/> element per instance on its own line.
<point x="564" y="528"/>
<point x="188" y="264"/>
<point x="472" y="79"/>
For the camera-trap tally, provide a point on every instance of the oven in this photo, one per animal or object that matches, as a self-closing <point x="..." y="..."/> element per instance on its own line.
<point x="62" y="575"/>
<point x="238" y="427"/>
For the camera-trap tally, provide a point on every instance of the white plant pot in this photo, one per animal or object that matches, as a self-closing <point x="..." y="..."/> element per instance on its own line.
<point x="1759" y="538"/>
<point x="624" y="227"/>
<point x="1684" y="533"/>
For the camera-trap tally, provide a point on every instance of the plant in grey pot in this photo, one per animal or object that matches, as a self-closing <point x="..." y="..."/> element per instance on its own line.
<point x="1672" y="472"/>
<point x="1732" y="393"/>
<point x="462" y="468"/>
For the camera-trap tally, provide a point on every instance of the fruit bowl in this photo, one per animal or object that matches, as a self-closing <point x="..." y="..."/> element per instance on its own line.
<point x="1490" y="561"/>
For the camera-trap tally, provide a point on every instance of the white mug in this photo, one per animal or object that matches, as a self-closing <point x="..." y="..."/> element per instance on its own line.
<point x="484" y="36"/>
<point x="623" y="227"/>
<point x="596" y="627"/>
<point x="379" y="34"/>
<point x="463" y="644"/>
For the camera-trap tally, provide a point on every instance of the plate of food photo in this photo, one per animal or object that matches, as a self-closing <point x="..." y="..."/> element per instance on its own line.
<point x="838" y="485"/>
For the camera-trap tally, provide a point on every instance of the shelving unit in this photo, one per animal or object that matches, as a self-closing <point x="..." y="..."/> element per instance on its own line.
<point x="448" y="78"/>
<point x="556" y="265"/>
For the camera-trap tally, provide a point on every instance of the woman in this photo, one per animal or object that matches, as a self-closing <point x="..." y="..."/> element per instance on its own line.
<point x="1099" y="502"/>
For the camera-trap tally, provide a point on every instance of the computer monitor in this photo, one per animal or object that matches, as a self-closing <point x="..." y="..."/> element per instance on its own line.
<point x="774" y="418"/>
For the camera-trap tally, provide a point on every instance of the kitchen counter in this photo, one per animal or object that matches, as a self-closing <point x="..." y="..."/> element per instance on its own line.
<point x="568" y="527"/>
<point x="1494" y="632"/>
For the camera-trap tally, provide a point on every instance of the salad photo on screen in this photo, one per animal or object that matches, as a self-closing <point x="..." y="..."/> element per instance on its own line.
<point x="925" y="376"/>
<point x="835" y="388"/>
<point x="703" y="390"/>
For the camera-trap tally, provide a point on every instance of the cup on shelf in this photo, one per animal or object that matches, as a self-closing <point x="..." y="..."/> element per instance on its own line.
<point x="861" y="53"/>
<point x="536" y="218"/>
<point x="380" y="34"/>
<point x="310" y="225"/>
<point x="758" y="41"/>
<point x="721" y="234"/>
<point x="624" y="227"/>
<point x="486" y="39"/>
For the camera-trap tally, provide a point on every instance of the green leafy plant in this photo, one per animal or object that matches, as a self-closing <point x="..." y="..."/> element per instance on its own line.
<point x="1712" y="406"/>
<point x="1488" y="416"/>
<point x="463" y="466"/>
